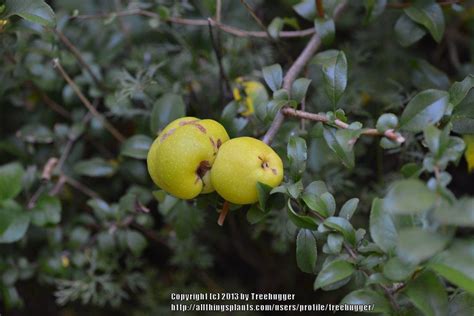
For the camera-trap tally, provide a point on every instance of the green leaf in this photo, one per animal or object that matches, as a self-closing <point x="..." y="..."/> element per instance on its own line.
<point x="342" y="226"/>
<point x="426" y="108"/>
<point x="334" y="67"/>
<point x="306" y="9"/>
<point x="255" y="214"/>
<point x="397" y="270"/>
<point x="426" y="76"/>
<point x="430" y="15"/>
<point x="275" y="27"/>
<point x="14" y="222"/>
<point x="297" y="155"/>
<point x="324" y="204"/>
<point x="47" y="211"/>
<point x="326" y="29"/>
<point x="301" y="221"/>
<point x="348" y="209"/>
<point x="460" y="214"/>
<point x="306" y="251"/>
<point x="273" y="76"/>
<point x="136" y="146"/>
<point x="340" y="144"/>
<point x="407" y="31"/>
<point x="374" y="8"/>
<point x="333" y="272"/>
<point x="165" y="110"/>
<point x="407" y="197"/>
<point x="263" y="191"/>
<point x="36" y="11"/>
<point x="368" y="297"/>
<point x="427" y="244"/>
<point x="135" y="242"/>
<point x="382" y="228"/>
<point x="299" y="89"/>
<point x="335" y="242"/>
<point x="95" y="167"/>
<point x="456" y="264"/>
<point x="460" y="89"/>
<point x="10" y="180"/>
<point x="461" y="305"/>
<point x="316" y="187"/>
<point x="428" y="294"/>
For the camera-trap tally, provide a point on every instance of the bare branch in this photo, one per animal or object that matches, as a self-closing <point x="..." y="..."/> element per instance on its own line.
<point x="198" y="22"/>
<point x="118" y="136"/>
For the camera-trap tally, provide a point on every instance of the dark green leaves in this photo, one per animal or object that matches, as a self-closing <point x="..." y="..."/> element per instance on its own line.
<point x="342" y="226"/>
<point x="426" y="108"/>
<point x="299" y="89"/>
<point x="408" y="197"/>
<point x="10" y="180"/>
<point x="47" y="211"/>
<point x="348" y="209"/>
<point x="416" y="244"/>
<point x="368" y="297"/>
<point x="273" y="76"/>
<point x="95" y="167"/>
<point x="382" y="228"/>
<point x="334" y="67"/>
<point x="456" y="264"/>
<point x="263" y="191"/>
<point x="374" y="8"/>
<point x="136" y="146"/>
<point x="430" y="16"/>
<point x="301" y="221"/>
<point x="460" y="89"/>
<point x="306" y="251"/>
<point x="14" y="222"/>
<point x="275" y="27"/>
<point x="135" y="242"/>
<point x="165" y="110"/>
<point x="428" y="294"/>
<point x="326" y="30"/>
<point x="297" y="156"/>
<point x="333" y="272"/>
<point x="323" y="204"/>
<point x="36" y="11"/>
<point x="341" y="143"/>
<point x="407" y="31"/>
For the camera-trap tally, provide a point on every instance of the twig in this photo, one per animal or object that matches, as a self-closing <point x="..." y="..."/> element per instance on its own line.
<point x="390" y="134"/>
<point x="45" y="178"/>
<point x="78" y="56"/>
<point x="265" y="29"/>
<point x="256" y="18"/>
<point x="225" y="86"/>
<point x="118" y="136"/>
<point x="290" y="76"/>
<point x="409" y="4"/>
<point x="80" y="187"/>
<point x="54" y="105"/>
<point x="223" y="214"/>
<point x="320" y="8"/>
<point x="198" y="22"/>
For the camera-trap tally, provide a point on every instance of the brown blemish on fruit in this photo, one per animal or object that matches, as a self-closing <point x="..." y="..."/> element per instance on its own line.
<point x="219" y="143"/>
<point x="187" y="122"/>
<point x="265" y="165"/>
<point x="203" y="168"/>
<point x="168" y="134"/>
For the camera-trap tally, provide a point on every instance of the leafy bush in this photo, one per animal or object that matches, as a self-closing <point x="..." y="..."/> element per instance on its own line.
<point x="370" y="106"/>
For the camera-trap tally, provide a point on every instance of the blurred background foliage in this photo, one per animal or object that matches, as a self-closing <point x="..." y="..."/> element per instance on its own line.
<point x="83" y="228"/>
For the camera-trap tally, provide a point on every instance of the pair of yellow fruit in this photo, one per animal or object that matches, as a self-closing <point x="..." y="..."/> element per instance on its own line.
<point x="192" y="156"/>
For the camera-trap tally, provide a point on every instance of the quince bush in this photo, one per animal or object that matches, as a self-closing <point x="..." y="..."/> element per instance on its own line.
<point x="334" y="148"/>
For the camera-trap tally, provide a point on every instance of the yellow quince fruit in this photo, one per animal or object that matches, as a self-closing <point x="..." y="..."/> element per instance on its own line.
<point x="240" y="164"/>
<point x="181" y="156"/>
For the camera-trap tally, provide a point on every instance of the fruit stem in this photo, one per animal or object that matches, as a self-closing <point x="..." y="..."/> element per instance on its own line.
<point x="223" y="214"/>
